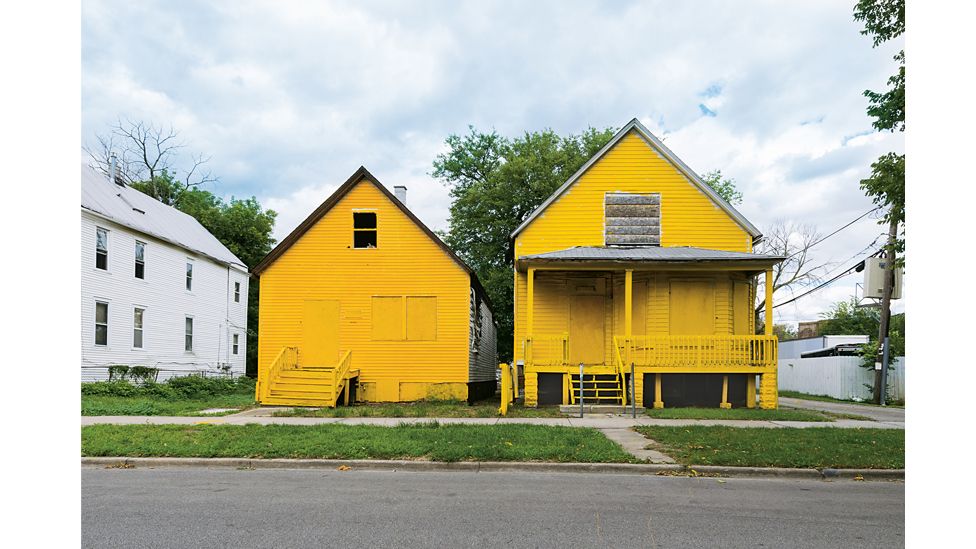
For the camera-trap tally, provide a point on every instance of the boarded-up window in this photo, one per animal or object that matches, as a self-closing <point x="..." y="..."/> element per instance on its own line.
<point x="387" y="318"/>
<point x="633" y="219"/>
<point x="421" y="318"/>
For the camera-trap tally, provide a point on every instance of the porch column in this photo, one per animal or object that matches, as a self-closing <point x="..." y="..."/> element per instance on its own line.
<point x="530" y="318"/>
<point x="628" y="312"/>
<point x="769" y="302"/>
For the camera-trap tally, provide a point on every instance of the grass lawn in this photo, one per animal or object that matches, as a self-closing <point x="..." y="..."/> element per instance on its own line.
<point x="488" y="408"/>
<point x="103" y="405"/>
<point x="736" y="413"/>
<point x="816" y="447"/>
<point x="429" y="441"/>
<point x="825" y="398"/>
<point x="181" y="396"/>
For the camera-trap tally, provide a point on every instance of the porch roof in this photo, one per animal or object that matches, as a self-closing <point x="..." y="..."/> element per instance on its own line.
<point x="646" y="258"/>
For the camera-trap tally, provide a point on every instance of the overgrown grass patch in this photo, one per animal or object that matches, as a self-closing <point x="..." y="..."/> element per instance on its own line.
<point x="736" y="413"/>
<point x="825" y="398"/>
<point x="812" y="447"/>
<point x="182" y="396"/>
<point x="424" y="408"/>
<point x="428" y="441"/>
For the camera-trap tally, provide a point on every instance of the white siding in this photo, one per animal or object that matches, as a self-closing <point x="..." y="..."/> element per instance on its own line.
<point x="837" y="376"/>
<point x="483" y="358"/>
<point x="163" y="294"/>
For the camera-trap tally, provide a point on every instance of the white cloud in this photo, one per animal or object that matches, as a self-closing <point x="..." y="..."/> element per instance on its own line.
<point x="290" y="98"/>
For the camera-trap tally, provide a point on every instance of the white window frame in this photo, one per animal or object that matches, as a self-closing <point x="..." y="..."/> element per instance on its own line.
<point x="141" y="329"/>
<point x="235" y="343"/>
<point x="106" y="231"/>
<point x="135" y="270"/>
<point x="188" y="282"/>
<point x="97" y="324"/>
<point x="237" y="292"/>
<point x="188" y="334"/>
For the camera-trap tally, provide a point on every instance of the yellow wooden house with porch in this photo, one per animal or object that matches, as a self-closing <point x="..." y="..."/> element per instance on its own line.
<point x="635" y="264"/>
<point x="363" y="302"/>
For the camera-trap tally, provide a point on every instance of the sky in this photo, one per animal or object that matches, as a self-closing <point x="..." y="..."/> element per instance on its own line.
<point x="290" y="98"/>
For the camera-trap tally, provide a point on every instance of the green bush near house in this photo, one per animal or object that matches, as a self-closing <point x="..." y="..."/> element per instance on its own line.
<point x="176" y="396"/>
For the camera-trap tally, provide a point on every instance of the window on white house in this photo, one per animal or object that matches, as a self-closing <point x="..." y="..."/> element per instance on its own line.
<point x="137" y="314"/>
<point x="364" y="229"/>
<point x="237" y="292"/>
<point x="101" y="249"/>
<point x="236" y="340"/>
<point x="188" y="343"/>
<point x="189" y="276"/>
<point x="101" y="323"/>
<point x="140" y="259"/>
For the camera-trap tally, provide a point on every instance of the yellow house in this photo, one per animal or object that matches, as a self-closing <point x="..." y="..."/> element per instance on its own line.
<point x="636" y="265"/>
<point x="363" y="302"/>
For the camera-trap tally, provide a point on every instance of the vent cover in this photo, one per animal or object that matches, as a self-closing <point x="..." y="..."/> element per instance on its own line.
<point x="633" y="219"/>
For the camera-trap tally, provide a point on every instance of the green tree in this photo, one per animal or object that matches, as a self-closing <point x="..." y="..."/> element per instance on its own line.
<point x="495" y="183"/>
<point x="846" y="318"/>
<point x="885" y="20"/>
<point x="724" y="187"/>
<point x="240" y="224"/>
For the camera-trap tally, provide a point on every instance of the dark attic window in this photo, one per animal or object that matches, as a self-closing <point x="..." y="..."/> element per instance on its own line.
<point x="364" y="229"/>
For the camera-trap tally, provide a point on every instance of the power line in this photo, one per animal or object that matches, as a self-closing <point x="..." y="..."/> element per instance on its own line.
<point x="819" y="240"/>
<point x="846" y="272"/>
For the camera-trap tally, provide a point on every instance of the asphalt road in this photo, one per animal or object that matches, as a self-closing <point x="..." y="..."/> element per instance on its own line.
<point x="148" y="508"/>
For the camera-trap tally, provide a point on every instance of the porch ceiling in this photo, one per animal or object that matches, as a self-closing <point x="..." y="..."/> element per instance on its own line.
<point x="646" y="258"/>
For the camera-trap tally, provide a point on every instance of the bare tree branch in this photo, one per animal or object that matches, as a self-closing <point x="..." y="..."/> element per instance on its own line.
<point x="793" y="241"/>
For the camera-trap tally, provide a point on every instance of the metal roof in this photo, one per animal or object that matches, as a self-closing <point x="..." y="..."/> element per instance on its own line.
<point x="142" y="213"/>
<point x="660" y="147"/>
<point x="647" y="253"/>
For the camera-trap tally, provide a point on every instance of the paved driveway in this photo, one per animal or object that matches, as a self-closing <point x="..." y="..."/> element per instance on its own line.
<point x="885" y="414"/>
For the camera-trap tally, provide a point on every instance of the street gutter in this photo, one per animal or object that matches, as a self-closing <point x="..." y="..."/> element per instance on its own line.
<point x="497" y="466"/>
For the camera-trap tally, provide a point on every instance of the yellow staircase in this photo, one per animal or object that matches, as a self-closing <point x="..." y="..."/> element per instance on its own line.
<point x="598" y="389"/>
<point x="290" y="383"/>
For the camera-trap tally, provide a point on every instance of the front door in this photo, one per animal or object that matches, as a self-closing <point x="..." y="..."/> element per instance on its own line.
<point x="586" y="329"/>
<point x="692" y="307"/>
<point x="320" y="333"/>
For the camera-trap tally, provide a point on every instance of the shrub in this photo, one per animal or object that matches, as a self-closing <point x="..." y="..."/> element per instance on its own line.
<point x="178" y="388"/>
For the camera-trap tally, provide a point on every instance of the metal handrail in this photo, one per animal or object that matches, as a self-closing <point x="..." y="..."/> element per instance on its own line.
<point x="619" y="364"/>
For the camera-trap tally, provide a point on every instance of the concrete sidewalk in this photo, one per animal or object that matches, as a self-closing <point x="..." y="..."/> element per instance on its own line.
<point x="597" y="421"/>
<point x="885" y="414"/>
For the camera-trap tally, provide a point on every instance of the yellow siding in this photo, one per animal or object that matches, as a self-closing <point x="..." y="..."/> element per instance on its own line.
<point x="652" y="303"/>
<point x="688" y="217"/>
<point x="396" y="361"/>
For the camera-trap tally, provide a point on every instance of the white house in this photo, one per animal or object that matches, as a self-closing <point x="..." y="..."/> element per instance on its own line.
<point x="157" y="289"/>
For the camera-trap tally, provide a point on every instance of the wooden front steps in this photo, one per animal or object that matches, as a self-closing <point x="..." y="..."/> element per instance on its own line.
<point x="308" y="386"/>
<point x="597" y="389"/>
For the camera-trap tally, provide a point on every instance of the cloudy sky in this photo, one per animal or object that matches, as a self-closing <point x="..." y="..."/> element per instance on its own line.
<point x="289" y="98"/>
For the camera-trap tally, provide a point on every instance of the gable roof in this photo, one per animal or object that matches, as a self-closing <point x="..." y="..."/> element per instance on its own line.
<point x="142" y="213"/>
<point x="360" y="175"/>
<point x="663" y="150"/>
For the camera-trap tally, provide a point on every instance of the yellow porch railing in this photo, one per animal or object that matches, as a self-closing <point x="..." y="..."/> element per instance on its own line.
<point x="339" y="374"/>
<point x="547" y="350"/>
<point x="699" y="351"/>
<point x="287" y="359"/>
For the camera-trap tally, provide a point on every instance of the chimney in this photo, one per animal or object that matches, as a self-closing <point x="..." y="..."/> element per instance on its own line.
<point x="114" y="170"/>
<point x="401" y="193"/>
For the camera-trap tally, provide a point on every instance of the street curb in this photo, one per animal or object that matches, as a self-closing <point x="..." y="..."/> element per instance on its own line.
<point x="496" y="466"/>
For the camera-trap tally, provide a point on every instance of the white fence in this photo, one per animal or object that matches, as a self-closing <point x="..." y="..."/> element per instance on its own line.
<point x="838" y="376"/>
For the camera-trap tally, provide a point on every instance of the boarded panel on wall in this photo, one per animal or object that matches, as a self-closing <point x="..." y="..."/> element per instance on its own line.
<point x="632" y="218"/>
<point x="320" y="332"/>
<point x="692" y="307"/>
<point x="586" y="329"/>
<point x="421" y="318"/>
<point x="741" y="307"/>
<point x="387" y="319"/>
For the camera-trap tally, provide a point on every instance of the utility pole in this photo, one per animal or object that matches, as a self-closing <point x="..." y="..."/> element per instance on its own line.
<point x="881" y="376"/>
